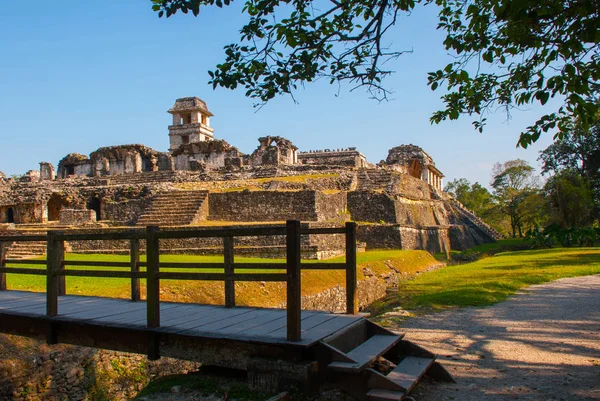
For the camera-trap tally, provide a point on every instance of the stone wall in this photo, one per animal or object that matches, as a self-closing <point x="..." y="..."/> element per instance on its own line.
<point x="125" y="212"/>
<point x="24" y="213"/>
<point x="394" y="236"/>
<point x="262" y="206"/>
<point x="371" y="207"/>
<point x="77" y="217"/>
<point x="206" y="155"/>
<point x="331" y="207"/>
<point x="61" y="373"/>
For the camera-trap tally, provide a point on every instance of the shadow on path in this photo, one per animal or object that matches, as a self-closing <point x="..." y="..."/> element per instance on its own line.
<point x="542" y="344"/>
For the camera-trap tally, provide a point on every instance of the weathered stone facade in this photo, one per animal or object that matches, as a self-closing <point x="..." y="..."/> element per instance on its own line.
<point x="398" y="204"/>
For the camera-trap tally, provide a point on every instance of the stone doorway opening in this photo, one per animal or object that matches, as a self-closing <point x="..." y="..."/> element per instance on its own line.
<point x="55" y="203"/>
<point x="95" y="205"/>
<point x="10" y="215"/>
<point x="414" y="169"/>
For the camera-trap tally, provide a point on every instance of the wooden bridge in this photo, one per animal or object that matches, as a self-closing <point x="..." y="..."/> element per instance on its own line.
<point x="280" y="346"/>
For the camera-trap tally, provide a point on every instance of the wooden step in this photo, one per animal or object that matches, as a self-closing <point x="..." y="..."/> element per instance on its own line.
<point x="366" y="353"/>
<point x="384" y="395"/>
<point x="409" y="371"/>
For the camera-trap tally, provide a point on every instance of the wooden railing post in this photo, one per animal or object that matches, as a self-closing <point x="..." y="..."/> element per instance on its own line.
<point x="229" y="271"/>
<point x="53" y="265"/>
<point x="351" y="304"/>
<point x="152" y="280"/>
<point x="3" y="250"/>
<point x="134" y="257"/>
<point x="293" y="280"/>
<point x="60" y="266"/>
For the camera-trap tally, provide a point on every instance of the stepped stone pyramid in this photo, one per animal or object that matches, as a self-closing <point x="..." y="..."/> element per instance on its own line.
<point x="174" y="209"/>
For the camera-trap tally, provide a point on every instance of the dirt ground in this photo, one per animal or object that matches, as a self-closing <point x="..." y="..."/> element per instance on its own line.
<point x="542" y="344"/>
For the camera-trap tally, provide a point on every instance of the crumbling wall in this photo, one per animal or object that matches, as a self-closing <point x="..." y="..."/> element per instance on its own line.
<point x="123" y="159"/>
<point x="337" y="157"/>
<point x="273" y="151"/>
<point x="47" y="171"/>
<point x="74" y="164"/>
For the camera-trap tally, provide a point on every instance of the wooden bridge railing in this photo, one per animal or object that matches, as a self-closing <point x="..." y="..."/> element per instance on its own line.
<point x="56" y="272"/>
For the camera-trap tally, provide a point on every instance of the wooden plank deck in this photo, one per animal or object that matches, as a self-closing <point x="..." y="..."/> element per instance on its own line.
<point x="255" y="325"/>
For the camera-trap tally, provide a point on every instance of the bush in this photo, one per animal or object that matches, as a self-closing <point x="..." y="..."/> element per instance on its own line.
<point x="566" y="237"/>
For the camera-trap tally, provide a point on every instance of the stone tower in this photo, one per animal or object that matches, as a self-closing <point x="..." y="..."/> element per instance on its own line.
<point x="191" y="122"/>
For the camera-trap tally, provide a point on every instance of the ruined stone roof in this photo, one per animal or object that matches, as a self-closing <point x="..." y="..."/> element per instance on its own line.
<point x="73" y="159"/>
<point x="206" y="147"/>
<point x="119" y="152"/>
<point x="190" y="104"/>
<point x="404" y="154"/>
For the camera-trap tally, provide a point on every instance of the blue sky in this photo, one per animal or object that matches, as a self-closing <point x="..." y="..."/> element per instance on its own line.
<point x="76" y="75"/>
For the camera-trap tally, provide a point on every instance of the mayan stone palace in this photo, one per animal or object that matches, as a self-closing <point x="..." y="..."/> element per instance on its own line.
<point x="202" y="180"/>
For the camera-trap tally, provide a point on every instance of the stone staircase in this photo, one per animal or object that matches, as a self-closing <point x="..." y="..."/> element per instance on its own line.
<point x="375" y="364"/>
<point x="26" y="250"/>
<point x="174" y="208"/>
<point x="374" y="179"/>
<point x="477" y="220"/>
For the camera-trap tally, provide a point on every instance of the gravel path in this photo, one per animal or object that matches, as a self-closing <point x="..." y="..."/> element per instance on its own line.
<point x="542" y="344"/>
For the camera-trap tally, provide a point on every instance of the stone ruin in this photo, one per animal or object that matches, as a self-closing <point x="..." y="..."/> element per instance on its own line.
<point x="398" y="203"/>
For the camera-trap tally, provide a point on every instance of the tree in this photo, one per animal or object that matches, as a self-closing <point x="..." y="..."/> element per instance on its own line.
<point x="514" y="186"/>
<point x="473" y="196"/>
<point x="571" y="199"/>
<point x="508" y="53"/>
<point x="577" y="152"/>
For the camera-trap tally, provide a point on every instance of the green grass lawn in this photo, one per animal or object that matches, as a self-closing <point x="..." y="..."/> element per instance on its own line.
<point x="490" y="280"/>
<point x="247" y="293"/>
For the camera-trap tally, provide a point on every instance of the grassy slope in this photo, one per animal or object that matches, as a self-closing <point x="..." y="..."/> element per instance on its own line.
<point x="491" y="279"/>
<point x="256" y="294"/>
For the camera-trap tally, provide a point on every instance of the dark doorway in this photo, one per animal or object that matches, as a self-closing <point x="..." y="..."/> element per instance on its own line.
<point x="10" y="215"/>
<point x="94" y="204"/>
<point x="70" y="170"/>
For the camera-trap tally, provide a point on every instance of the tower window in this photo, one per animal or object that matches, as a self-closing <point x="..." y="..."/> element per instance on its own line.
<point x="203" y="119"/>
<point x="185" y="139"/>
